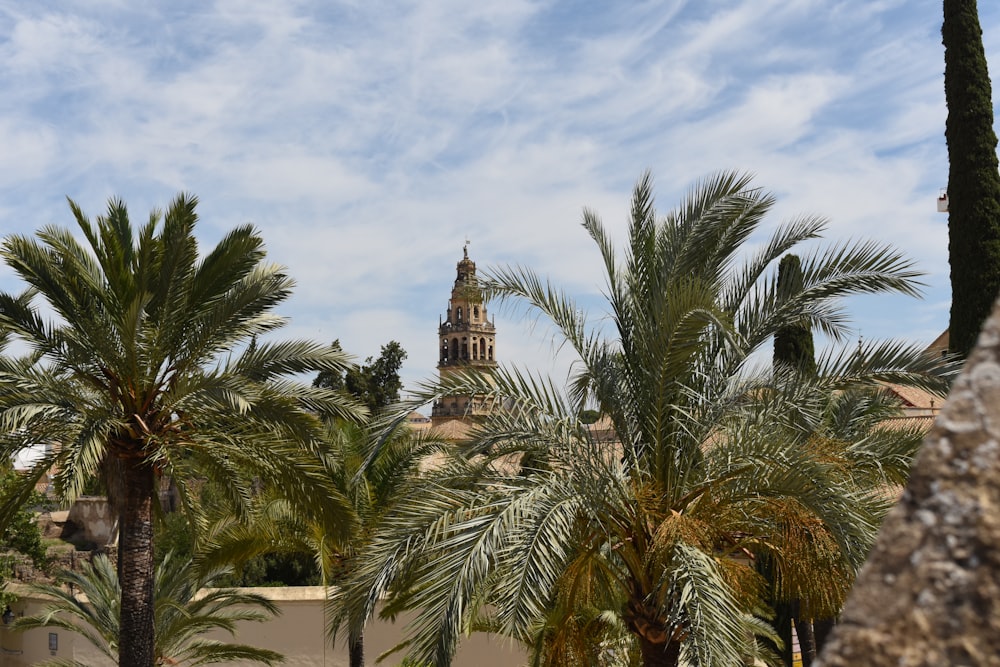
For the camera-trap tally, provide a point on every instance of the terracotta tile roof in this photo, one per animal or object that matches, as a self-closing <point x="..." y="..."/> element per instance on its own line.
<point x="916" y="398"/>
<point x="603" y="430"/>
<point x="453" y="430"/>
<point x="922" y="421"/>
<point x="940" y="343"/>
<point x="418" y="422"/>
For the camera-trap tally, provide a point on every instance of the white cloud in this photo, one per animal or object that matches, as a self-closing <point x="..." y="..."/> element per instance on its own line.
<point x="367" y="141"/>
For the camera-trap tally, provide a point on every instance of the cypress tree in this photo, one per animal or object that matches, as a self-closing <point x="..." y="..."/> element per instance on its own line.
<point x="973" y="178"/>
<point x="793" y="345"/>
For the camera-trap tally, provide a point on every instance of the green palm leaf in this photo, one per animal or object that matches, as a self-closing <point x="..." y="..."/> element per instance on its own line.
<point x="87" y="603"/>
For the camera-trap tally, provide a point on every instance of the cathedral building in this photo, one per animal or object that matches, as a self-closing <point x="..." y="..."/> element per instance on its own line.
<point x="466" y="339"/>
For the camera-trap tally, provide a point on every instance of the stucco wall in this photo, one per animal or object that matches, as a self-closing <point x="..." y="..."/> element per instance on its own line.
<point x="93" y="520"/>
<point x="298" y="633"/>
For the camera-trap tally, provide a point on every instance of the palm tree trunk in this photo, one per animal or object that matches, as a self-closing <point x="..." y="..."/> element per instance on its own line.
<point x="822" y="629"/>
<point x="135" y="561"/>
<point x="783" y="612"/>
<point x="659" y="654"/>
<point x="783" y="628"/>
<point x="356" y="650"/>
<point x="807" y="641"/>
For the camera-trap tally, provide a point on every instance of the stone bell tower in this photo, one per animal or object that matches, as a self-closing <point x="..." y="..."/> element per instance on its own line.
<point x="466" y="338"/>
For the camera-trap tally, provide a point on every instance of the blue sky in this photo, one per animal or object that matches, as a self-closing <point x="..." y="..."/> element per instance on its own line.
<point x="368" y="140"/>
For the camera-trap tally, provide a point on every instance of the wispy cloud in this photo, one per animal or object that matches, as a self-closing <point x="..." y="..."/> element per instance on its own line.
<point x="369" y="140"/>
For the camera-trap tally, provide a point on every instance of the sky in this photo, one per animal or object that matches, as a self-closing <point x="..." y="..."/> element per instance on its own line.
<point x="368" y="141"/>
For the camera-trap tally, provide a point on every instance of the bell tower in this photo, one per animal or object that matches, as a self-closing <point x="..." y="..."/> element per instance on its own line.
<point x="466" y="338"/>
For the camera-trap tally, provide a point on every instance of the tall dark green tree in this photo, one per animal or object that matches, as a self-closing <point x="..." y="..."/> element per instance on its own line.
<point x="793" y="343"/>
<point x="794" y="352"/>
<point x="973" y="179"/>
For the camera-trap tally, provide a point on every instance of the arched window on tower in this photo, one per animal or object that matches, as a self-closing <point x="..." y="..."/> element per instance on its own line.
<point x="491" y="353"/>
<point x="459" y="314"/>
<point x="475" y="314"/>
<point x="454" y="349"/>
<point x="465" y="349"/>
<point x="482" y="348"/>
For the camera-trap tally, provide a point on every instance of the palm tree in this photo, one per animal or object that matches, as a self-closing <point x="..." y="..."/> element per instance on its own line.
<point x="375" y="478"/>
<point x="91" y="607"/>
<point x="716" y="462"/>
<point x="142" y="360"/>
<point x="372" y="478"/>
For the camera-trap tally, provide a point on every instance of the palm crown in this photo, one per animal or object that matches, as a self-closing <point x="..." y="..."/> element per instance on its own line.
<point x="715" y="463"/>
<point x="142" y="360"/>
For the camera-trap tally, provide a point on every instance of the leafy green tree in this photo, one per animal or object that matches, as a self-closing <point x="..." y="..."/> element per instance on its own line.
<point x="20" y="536"/>
<point x="380" y="384"/>
<point x="376" y="383"/>
<point x="141" y="362"/>
<point x="973" y="178"/>
<point x="279" y="569"/>
<point x="174" y="534"/>
<point x="717" y="463"/>
<point x="331" y="378"/>
<point x="88" y="603"/>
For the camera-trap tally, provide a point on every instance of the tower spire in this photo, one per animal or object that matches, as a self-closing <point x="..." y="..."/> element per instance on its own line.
<point x="466" y="338"/>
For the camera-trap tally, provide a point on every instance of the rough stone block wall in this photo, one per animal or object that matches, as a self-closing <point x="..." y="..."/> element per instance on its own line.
<point x="930" y="592"/>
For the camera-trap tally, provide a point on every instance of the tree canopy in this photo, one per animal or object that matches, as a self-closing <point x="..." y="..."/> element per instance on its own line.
<point x="375" y="383"/>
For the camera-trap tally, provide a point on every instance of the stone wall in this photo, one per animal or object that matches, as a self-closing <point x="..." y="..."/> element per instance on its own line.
<point x="930" y="592"/>
<point x="93" y="521"/>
